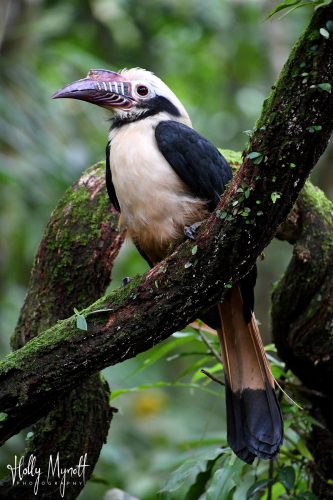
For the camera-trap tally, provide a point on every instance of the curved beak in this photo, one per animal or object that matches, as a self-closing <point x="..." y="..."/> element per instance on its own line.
<point x="102" y="87"/>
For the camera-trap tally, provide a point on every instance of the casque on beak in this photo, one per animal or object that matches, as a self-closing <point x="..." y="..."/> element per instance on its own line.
<point x="102" y="87"/>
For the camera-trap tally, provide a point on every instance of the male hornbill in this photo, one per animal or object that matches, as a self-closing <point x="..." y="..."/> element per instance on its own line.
<point x="162" y="177"/>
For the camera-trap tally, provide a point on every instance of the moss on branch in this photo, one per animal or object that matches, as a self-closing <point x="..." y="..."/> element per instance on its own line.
<point x="72" y="268"/>
<point x="302" y="316"/>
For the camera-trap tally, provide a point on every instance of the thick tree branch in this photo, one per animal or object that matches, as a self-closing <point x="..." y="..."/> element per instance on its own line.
<point x="72" y="268"/>
<point x="291" y="134"/>
<point x="302" y="315"/>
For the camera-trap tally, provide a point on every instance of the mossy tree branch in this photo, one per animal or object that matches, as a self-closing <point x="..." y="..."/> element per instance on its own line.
<point x="72" y="268"/>
<point x="302" y="317"/>
<point x="291" y="134"/>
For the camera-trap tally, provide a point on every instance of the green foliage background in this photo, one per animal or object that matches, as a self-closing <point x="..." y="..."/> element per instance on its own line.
<point x="221" y="58"/>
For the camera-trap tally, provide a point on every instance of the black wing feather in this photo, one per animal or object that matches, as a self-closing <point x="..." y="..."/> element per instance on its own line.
<point x="196" y="160"/>
<point x="206" y="172"/>
<point x="108" y="179"/>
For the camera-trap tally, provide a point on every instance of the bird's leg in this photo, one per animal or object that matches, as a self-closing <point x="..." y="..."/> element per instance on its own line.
<point x="190" y="231"/>
<point x="125" y="281"/>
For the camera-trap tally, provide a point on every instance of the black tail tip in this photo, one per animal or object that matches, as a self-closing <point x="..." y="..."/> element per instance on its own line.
<point x="254" y="423"/>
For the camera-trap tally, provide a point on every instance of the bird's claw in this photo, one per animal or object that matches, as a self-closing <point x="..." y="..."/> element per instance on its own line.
<point x="190" y="231"/>
<point x="125" y="281"/>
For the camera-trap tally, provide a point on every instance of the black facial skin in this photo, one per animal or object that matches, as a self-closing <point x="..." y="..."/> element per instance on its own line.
<point x="149" y="108"/>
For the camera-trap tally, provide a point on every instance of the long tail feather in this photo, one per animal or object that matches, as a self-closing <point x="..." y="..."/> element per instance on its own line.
<point x="254" y="422"/>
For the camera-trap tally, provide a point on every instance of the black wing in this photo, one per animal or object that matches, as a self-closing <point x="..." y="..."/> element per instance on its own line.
<point x="108" y="178"/>
<point x="197" y="161"/>
<point x="204" y="170"/>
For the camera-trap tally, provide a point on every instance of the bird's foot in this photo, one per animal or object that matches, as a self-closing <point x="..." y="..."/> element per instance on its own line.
<point x="190" y="231"/>
<point x="125" y="281"/>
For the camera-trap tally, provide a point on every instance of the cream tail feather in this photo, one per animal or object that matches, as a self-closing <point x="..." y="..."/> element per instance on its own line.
<point x="254" y="420"/>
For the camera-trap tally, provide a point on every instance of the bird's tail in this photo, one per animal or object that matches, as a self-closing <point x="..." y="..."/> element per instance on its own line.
<point x="254" y="422"/>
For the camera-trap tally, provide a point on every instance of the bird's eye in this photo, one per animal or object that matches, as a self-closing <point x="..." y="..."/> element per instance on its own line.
<point x="142" y="90"/>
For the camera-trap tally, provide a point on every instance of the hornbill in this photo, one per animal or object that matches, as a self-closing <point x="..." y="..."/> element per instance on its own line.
<point x="163" y="178"/>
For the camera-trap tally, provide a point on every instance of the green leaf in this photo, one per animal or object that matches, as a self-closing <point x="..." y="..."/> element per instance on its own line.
<point x="314" y="128"/>
<point x="3" y="416"/>
<point x="81" y="322"/>
<point x="275" y="196"/>
<point x="221" y="214"/>
<point x="182" y="479"/>
<point x="282" y="6"/>
<point x="225" y="480"/>
<point x="165" y="348"/>
<point x="194" y="249"/>
<point x="303" y="449"/>
<point x="287" y="477"/>
<point x="143" y="387"/>
<point x="257" y="487"/>
<point x="198" y="364"/>
<point x="324" y="33"/>
<point x="327" y="87"/>
<point x="292" y="165"/>
<point x="253" y="155"/>
<point x="199" y="486"/>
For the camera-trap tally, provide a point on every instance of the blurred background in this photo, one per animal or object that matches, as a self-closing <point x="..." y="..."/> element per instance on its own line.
<point x="221" y="58"/>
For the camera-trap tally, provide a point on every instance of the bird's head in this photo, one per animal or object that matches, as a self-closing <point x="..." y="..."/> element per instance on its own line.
<point x="131" y="94"/>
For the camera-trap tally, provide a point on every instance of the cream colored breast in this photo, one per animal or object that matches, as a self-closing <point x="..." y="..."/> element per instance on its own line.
<point x="155" y="204"/>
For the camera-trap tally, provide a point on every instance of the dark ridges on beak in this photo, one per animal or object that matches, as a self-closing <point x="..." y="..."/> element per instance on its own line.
<point x="102" y="87"/>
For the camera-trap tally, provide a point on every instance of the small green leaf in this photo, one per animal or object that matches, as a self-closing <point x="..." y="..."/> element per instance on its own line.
<point x="329" y="25"/>
<point x="253" y="155"/>
<point x="292" y="165"/>
<point x="81" y="322"/>
<point x="228" y="285"/>
<point x="194" y="249"/>
<point x="287" y="476"/>
<point x="245" y="213"/>
<point x="260" y="213"/>
<point x="303" y="449"/>
<point x="187" y="265"/>
<point x="324" y="33"/>
<point x="257" y="487"/>
<point x="314" y="128"/>
<point x="156" y="283"/>
<point x="3" y="416"/>
<point x="282" y="6"/>
<point x="221" y="215"/>
<point x="275" y="196"/>
<point x="76" y="312"/>
<point x="327" y="87"/>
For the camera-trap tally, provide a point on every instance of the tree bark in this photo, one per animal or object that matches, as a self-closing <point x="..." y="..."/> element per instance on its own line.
<point x="72" y="268"/>
<point x="291" y="134"/>
<point x="302" y="317"/>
